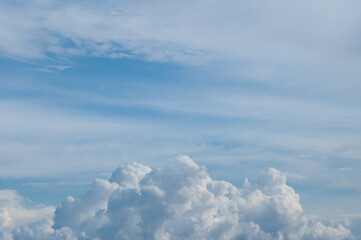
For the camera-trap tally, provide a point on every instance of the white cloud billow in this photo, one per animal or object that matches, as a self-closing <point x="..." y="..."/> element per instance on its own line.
<point x="181" y="202"/>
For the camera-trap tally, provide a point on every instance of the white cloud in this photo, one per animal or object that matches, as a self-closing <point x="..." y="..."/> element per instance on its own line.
<point x="17" y="221"/>
<point x="20" y="215"/>
<point x="181" y="202"/>
<point x="278" y="32"/>
<point x="51" y="68"/>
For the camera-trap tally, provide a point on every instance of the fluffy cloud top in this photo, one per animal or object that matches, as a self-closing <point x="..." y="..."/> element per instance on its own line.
<point x="181" y="202"/>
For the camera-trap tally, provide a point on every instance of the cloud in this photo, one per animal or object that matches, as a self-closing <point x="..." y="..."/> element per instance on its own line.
<point x="307" y="33"/>
<point x="20" y="215"/>
<point x="51" y="68"/>
<point x="18" y="221"/>
<point x="181" y="202"/>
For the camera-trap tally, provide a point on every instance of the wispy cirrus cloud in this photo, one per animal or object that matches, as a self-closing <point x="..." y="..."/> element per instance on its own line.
<point x="305" y="33"/>
<point x="314" y="47"/>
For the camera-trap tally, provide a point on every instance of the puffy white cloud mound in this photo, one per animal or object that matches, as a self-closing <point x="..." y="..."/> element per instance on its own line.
<point x="18" y="222"/>
<point x="181" y="202"/>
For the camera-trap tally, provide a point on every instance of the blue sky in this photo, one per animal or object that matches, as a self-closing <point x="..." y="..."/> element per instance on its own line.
<point x="238" y="86"/>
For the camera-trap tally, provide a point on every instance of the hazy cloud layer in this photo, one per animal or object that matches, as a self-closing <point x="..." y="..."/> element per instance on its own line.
<point x="315" y="46"/>
<point x="305" y="33"/>
<point x="181" y="202"/>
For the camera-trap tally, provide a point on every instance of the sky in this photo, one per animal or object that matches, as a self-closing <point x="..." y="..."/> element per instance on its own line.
<point x="238" y="86"/>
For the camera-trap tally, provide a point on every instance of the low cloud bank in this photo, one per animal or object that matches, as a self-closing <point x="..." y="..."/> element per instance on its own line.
<point x="181" y="202"/>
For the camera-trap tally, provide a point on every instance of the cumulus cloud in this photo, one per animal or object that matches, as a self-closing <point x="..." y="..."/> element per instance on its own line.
<point x="20" y="215"/>
<point x="17" y="221"/>
<point x="181" y="202"/>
